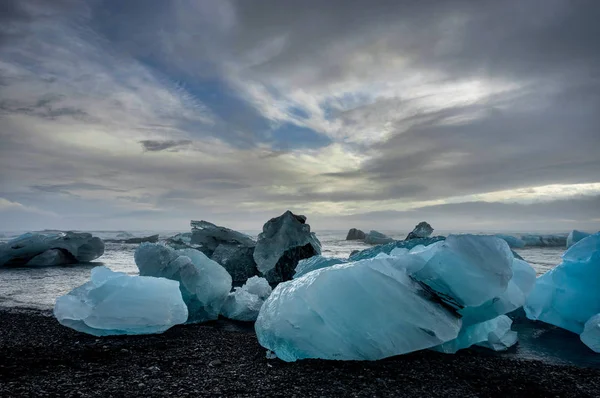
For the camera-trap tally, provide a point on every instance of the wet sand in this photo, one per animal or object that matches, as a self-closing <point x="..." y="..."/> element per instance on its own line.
<point x="39" y="357"/>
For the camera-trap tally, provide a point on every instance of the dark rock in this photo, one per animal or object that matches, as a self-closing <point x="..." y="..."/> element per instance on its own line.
<point x="422" y="230"/>
<point x="355" y="234"/>
<point x="285" y="241"/>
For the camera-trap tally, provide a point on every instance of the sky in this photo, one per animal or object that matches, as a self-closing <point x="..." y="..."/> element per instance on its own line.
<point x="144" y="114"/>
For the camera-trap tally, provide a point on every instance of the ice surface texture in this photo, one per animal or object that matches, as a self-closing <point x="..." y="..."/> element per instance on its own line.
<point x="285" y="241"/>
<point x="494" y="334"/>
<point x="392" y="304"/>
<point x="113" y="303"/>
<point x="77" y="247"/>
<point x="315" y="262"/>
<point x="514" y="242"/>
<point x="591" y="333"/>
<point x="244" y="303"/>
<point x="204" y="284"/>
<point x="569" y="294"/>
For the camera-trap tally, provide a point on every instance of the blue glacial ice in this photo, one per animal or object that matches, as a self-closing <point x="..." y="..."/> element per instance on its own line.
<point x="575" y="236"/>
<point x="316" y="262"/>
<point x="76" y="247"/>
<point x="569" y="294"/>
<point x="204" y="284"/>
<point x="366" y="310"/>
<point x="245" y="302"/>
<point x="387" y="248"/>
<point x="514" y="242"/>
<point x="393" y="304"/>
<point x="591" y="333"/>
<point x="494" y="334"/>
<point x="544" y="240"/>
<point x="113" y="303"/>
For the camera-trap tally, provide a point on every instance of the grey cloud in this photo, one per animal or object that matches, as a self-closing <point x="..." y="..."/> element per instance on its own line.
<point x="156" y="146"/>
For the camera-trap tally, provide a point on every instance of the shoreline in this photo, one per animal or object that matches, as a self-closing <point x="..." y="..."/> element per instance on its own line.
<point x="39" y="357"/>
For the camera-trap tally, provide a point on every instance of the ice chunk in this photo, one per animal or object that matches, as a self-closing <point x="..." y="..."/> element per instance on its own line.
<point x="210" y="236"/>
<point x="366" y="310"/>
<point x="494" y="334"/>
<point x="515" y="295"/>
<point x="466" y="270"/>
<point x="355" y="234"/>
<point x="315" y="262"/>
<point x="81" y="247"/>
<point x="544" y="240"/>
<point x="245" y="302"/>
<point x="204" y="283"/>
<point x="569" y="294"/>
<point x="49" y="258"/>
<point x="285" y="241"/>
<point x="387" y="248"/>
<point x="377" y="238"/>
<point x="575" y="236"/>
<point x="591" y="333"/>
<point x="513" y="241"/>
<point x="114" y="303"/>
<point x="237" y="259"/>
<point x="421" y="230"/>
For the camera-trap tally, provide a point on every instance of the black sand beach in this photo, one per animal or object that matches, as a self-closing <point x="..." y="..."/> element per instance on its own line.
<point x="39" y="357"/>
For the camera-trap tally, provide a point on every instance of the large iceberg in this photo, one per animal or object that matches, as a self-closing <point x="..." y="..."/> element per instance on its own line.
<point x="316" y="262"/>
<point x="113" y="303"/>
<point x="285" y="241"/>
<point x="591" y="333"/>
<point x="366" y="310"/>
<point x="377" y="238"/>
<point x="575" y="236"/>
<point x="569" y="294"/>
<point x="394" y="303"/>
<point x="25" y="250"/>
<point x="245" y="302"/>
<point x="421" y="230"/>
<point x="204" y="284"/>
<point x="494" y="334"/>
<point x="232" y="249"/>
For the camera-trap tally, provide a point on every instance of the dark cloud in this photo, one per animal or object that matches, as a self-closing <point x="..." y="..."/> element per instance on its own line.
<point x="156" y="146"/>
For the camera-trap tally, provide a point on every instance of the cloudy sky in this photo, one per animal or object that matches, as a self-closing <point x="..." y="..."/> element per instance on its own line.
<point x="144" y="114"/>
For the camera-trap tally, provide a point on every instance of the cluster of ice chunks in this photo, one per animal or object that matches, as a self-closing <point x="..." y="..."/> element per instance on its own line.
<point x="391" y="304"/>
<point x="35" y="249"/>
<point x="591" y="333"/>
<point x="114" y="303"/>
<point x="244" y="303"/>
<point x="204" y="284"/>
<point x="285" y="241"/>
<point x="316" y="262"/>
<point x="569" y="295"/>
<point x="575" y="236"/>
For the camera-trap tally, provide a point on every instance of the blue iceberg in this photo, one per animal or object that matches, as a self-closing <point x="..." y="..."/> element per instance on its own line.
<point x="387" y="248"/>
<point x="316" y="262"/>
<point x="204" y="284"/>
<point x="245" y="302"/>
<point x="544" y="240"/>
<point x="514" y="242"/>
<point x="494" y="334"/>
<point x="114" y="303"/>
<point x="569" y="294"/>
<point x="591" y="333"/>
<point x="575" y="236"/>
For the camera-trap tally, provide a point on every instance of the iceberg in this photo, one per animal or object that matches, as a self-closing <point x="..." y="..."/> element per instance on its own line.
<point x="285" y="241"/>
<point x="366" y="310"/>
<point x="238" y="260"/>
<point x="76" y="247"/>
<point x="134" y="240"/>
<point x="377" y="238"/>
<point x="494" y="334"/>
<point x="569" y="294"/>
<point x="209" y="236"/>
<point x="355" y="234"/>
<point x="387" y="248"/>
<point x="245" y="302"/>
<point x="49" y="258"/>
<point x="114" y="303"/>
<point x="575" y="236"/>
<point x="591" y="333"/>
<point x="204" y="284"/>
<point x="513" y="241"/>
<point x="421" y="230"/>
<point x="544" y="240"/>
<point x="316" y="262"/>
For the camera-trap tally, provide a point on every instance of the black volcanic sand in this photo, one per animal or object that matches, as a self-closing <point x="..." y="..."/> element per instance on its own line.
<point x="39" y="357"/>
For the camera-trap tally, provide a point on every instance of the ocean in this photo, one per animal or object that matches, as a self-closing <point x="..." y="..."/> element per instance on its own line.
<point x="39" y="287"/>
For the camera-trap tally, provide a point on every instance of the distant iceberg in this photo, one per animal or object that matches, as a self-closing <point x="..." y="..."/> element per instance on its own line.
<point x="514" y="242"/>
<point x="569" y="295"/>
<point x="114" y="303"/>
<point x="377" y="238"/>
